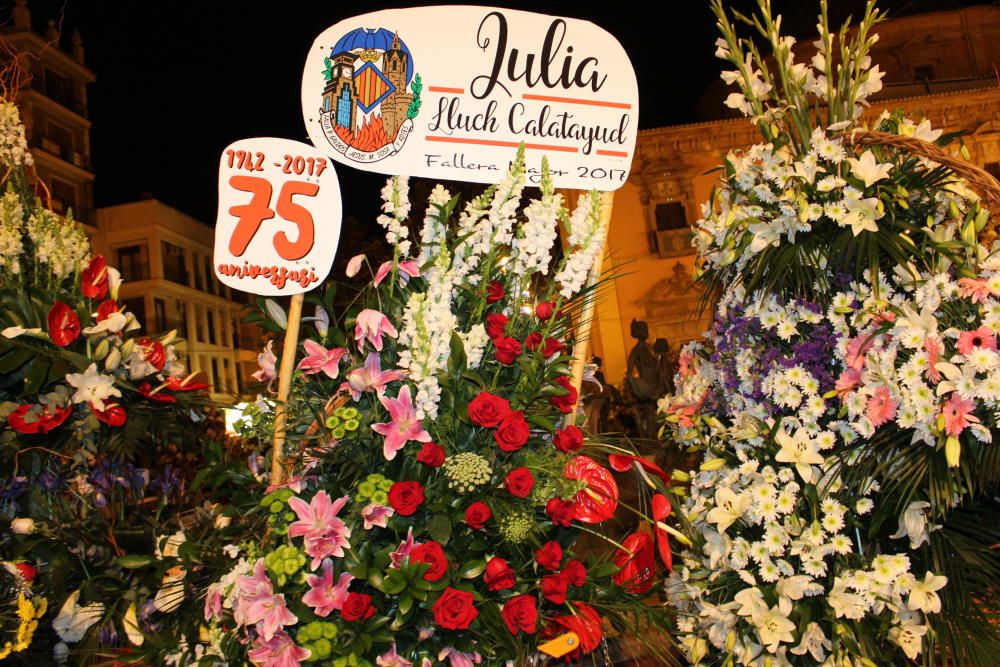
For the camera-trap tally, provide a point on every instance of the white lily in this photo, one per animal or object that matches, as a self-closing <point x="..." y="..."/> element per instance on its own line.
<point x="799" y="450"/>
<point x="868" y="169"/>
<point x="914" y="525"/>
<point x="774" y="627"/>
<point x="861" y="213"/>
<point x="923" y="595"/>
<point x="92" y="387"/>
<point x="73" y="620"/>
<point x="909" y="637"/>
<point x="729" y="506"/>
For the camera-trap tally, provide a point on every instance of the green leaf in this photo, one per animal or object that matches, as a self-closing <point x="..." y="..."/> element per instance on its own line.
<point x="439" y="528"/>
<point x="134" y="561"/>
<point x="405" y="603"/>
<point x="472" y="569"/>
<point x="457" y="360"/>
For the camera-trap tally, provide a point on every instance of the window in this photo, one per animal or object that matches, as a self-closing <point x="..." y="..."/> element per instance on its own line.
<point x="199" y="283"/>
<point x="133" y="262"/>
<point x="137" y="306"/>
<point x="670" y="216"/>
<point x="174" y="264"/>
<point x="211" y="327"/>
<point x="923" y="73"/>
<point x="344" y="107"/>
<point x="211" y="285"/>
<point x="60" y="135"/>
<point x="225" y="371"/>
<point x="216" y="380"/>
<point x="58" y="88"/>
<point x="236" y="334"/>
<point x="199" y="333"/>
<point x="182" y="316"/>
<point x="63" y="195"/>
<point x="160" y="308"/>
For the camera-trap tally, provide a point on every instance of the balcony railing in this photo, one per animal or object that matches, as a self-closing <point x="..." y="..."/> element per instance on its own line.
<point x="60" y="95"/>
<point x="51" y="146"/>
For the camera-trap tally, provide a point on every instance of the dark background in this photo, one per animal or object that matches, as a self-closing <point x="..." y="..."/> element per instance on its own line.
<point x="179" y="81"/>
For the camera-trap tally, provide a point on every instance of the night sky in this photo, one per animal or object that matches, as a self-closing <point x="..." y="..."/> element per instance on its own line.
<point x="179" y="81"/>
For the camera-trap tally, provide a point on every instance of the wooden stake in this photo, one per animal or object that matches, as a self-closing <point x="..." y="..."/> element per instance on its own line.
<point x="279" y="467"/>
<point x="581" y="344"/>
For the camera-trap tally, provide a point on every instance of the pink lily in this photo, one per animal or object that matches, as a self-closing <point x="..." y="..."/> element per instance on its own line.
<point x="278" y="651"/>
<point x="354" y="265"/>
<point x="293" y="483"/>
<point x="403" y="551"/>
<point x="258" y="604"/>
<point x="318" y="358"/>
<point x="408" y="269"/>
<point x="370" y="377"/>
<point x="392" y="659"/>
<point x="376" y="515"/>
<point x="323" y="595"/>
<point x="370" y="326"/>
<point x="266" y="360"/>
<point x="325" y="533"/>
<point x="404" y="425"/>
<point x="213" y="603"/>
<point x="457" y="658"/>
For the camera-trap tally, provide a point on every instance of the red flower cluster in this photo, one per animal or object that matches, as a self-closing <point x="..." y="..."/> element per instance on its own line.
<point x="43" y="418"/>
<point x="477" y="514"/>
<point x="431" y="454"/>
<point x="64" y="325"/>
<point x="406" y="497"/>
<point x="433" y="554"/>
<point x="94" y="279"/>
<point x="454" y="609"/>
<point x="489" y="411"/>
<point x="357" y="607"/>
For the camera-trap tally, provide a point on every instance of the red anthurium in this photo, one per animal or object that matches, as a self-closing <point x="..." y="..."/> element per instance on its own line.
<point x="586" y="623"/>
<point x="624" y="463"/>
<point x="661" y="510"/>
<point x="156" y="393"/>
<point x="598" y="501"/>
<point x="30" y="418"/>
<point x="185" y="384"/>
<point x="113" y="414"/>
<point x="107" y="308"/>
<point x="27" y="571"/>
<point x="64" y="325"/>
<point x="153" y="352"/>
<point x="94" y="279"/>
<point x="636" y="563"/>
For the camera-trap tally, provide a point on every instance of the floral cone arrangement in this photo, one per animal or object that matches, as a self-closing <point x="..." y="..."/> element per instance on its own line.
<point x="433" y="512"/>
<point x="845" y="401"/>
<point x="96" y="430"/>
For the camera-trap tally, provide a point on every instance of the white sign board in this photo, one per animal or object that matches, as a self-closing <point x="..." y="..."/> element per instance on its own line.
<point x="279" y="216"/>
<point x="450" y="92"/>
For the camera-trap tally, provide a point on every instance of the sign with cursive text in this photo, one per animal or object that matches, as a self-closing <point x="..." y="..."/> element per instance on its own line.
<point x="279" y="216"/>
<point x="450" y="92"/>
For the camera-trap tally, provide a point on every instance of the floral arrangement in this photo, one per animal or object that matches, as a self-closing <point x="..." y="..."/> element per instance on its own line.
<point x="97" y="432"/>
<point x="434" y="507"/>
<point x="844" y="402"/>
<point x="20" y="608"/>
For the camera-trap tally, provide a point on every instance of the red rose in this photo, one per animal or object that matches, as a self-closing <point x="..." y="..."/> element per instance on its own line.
<point x="499" y="575"/>
<point x="519" y="482"/>
<point x="431" y="552"/>
<point x="562" y="512"/>
<point x="553" y="346"/>
<point x="153" y="352"/>
<point x="521" y="614"/>
<point x="495" y="324"/>
<point x="495" y="292"/>
<point x="406" y="497"/>
<point x="549" y="556"/>
<point x="586" y="623"/>
<point x="488" y="410"/>
<point x="64" y="325"/>
<point x="508" y="349"/>
<point x="357" y="607"/>
<point x="544" y="310"/>
<point x="107" y="308"/>
<point x="27" y="571"/>
<point x="113" y="414"/>
<point x="599" y="500"/>
<point x="512" y="432"/>
<point x="567" y="401"/>
<point x="636" y="573"/>
<point x="477" y="514"/>
<point x="554" y="587"/>
<point x="533" y="340"/>
<point x="94" y="279"/>
<point x="43" y="418"/>
<point x="431" y="454"/>
<point x="454" y="610"/>
<point x="568" y="439"/>
<point x="576" y="572"/>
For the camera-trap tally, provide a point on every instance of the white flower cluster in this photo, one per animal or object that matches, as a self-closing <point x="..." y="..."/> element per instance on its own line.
<point x="11" y="232"/>
<point x="60" y="245"/>
<point x="395" y="208"/>
<point x="434" y="231"/>
<point x="533" y="245"/>
<point x="475" y="341"/>
<point x="13" y="145"/>
<point x="585" y="243"/>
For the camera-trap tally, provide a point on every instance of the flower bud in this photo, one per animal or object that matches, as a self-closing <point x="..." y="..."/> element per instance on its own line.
<point x="22" y="526"/>
<point x="102" y="349"/>
<point x="952" y="451"/>
<point x="712" y="464"/>
<point x="679" y="476"/>
<point x="113" y="359"/>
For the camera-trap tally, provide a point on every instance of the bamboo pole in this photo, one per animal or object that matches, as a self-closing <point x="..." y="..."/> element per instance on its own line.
<point x="581" y="343"/>
<point x="279" y="467"/>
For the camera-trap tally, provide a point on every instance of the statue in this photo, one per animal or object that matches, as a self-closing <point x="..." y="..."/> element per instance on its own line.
<point x="646" y="381"/>
<point x="667" y="363"/>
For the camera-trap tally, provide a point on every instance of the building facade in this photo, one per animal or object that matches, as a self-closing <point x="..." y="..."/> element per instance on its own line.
<point x="940" y="65"/>
<point x="53" y="105"/>
<point x="165" y="259"/>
